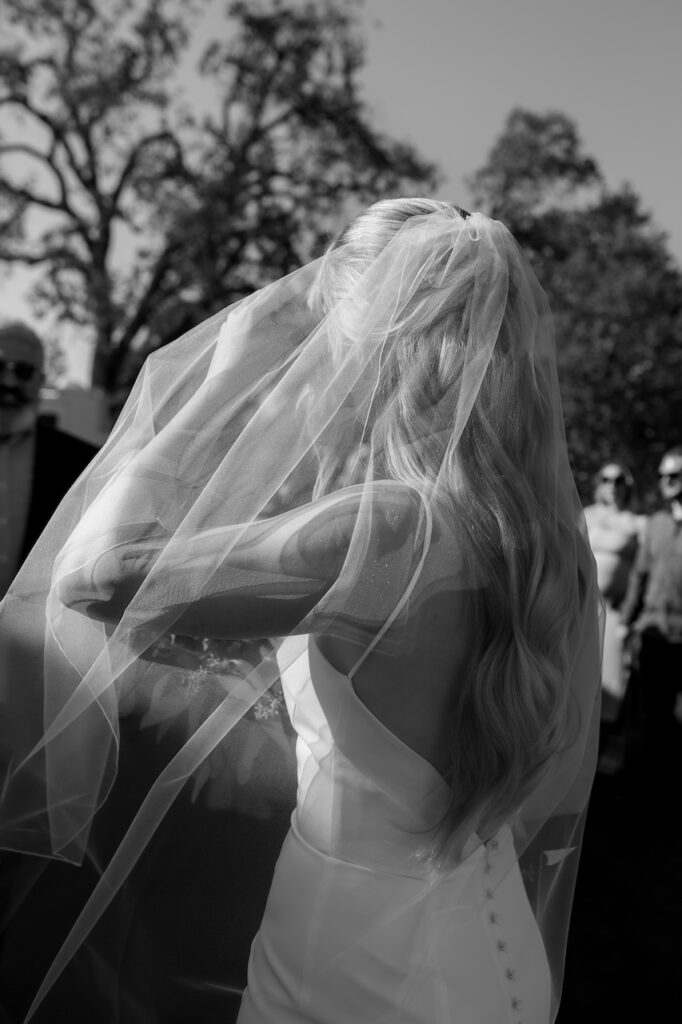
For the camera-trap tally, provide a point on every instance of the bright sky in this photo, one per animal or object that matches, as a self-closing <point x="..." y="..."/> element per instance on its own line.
<point x="443" y="74"/>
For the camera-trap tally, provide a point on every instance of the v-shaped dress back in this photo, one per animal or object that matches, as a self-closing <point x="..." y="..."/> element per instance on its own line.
<point x="354" y="929"/>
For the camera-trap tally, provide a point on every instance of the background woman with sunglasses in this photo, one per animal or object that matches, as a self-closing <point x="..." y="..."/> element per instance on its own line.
<point x="615" y="533"/>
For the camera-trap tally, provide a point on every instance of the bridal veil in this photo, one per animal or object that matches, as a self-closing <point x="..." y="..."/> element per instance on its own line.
<point x="287" y="464"/>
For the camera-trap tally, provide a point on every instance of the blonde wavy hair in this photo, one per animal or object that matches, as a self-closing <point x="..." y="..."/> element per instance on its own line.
<point x="510" y="712"/>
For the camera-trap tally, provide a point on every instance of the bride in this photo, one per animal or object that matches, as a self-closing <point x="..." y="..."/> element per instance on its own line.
<point x="365" y="464"/>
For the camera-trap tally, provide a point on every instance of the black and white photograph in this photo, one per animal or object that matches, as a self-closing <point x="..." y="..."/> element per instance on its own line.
<point x="340" y="511"/>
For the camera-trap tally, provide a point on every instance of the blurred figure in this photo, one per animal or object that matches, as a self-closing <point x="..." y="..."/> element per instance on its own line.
<point x="38" y="464"/>
<point x="615" y="533"/>
<point x="652" y="612"/>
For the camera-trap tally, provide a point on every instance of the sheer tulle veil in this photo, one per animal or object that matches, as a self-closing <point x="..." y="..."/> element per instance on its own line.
<point x="288" y="466"/>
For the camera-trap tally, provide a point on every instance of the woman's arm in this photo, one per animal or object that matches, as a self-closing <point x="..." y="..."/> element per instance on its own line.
<point x="260" y="580"/>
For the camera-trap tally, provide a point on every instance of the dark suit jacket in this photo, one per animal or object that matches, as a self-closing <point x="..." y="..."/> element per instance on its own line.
<point x="59" y="460"/>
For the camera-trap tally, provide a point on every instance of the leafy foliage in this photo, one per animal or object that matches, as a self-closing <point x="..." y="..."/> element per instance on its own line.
<point x="615" y="292"/>
<point x="153" y="215"/>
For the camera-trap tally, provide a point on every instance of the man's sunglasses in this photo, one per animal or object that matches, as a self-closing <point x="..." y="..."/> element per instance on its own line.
<point x="23" y="371"/>
<point x="671" y="476"/>
<point x="618" y="479"/>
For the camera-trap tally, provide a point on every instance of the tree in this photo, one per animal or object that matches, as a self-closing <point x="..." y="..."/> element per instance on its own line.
<point x="290" y="147"/>
<point x="615" y="291"/>
<point x="91" y="90"/>
<point x="153" y="215"/>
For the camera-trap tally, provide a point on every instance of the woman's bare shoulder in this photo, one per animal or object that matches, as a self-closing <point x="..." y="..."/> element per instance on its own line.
<point x="386" y="510"/>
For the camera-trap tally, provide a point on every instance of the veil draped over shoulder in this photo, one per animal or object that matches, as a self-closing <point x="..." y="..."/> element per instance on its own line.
<point x="287" y="468"/>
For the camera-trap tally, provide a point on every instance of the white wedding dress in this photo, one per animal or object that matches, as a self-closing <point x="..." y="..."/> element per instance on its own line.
<point x="353" y="931"/>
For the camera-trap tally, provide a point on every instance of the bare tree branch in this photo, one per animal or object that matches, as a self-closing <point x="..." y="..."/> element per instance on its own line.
<point x="48" y="160"/>
<point x="134" y="158"/>
<point x="56" y="130"/>
<point x="56" y="254"/>
<point x="33" y="198"/>
<point x="146" y="302"/>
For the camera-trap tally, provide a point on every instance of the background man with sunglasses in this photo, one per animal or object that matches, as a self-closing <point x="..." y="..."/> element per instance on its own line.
<point x="652" y="612"/>
<point x="38" y="464"/>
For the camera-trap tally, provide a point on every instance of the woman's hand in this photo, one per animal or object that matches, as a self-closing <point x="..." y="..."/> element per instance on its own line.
<point x="104" y="586"/>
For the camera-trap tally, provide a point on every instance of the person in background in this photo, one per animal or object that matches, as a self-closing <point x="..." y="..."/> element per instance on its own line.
<point x="652" y="614"/>
<point x="615" y="532"/>
<point x="38" y="463"/>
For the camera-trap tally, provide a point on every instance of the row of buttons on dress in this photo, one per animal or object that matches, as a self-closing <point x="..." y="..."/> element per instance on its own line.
<point x="492" y="845"/>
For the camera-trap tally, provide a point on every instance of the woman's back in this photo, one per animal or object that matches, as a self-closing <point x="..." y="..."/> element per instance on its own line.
<point x="409" y="678"/>
<point x="355" y="929"/>
<point x="410" y="690"/>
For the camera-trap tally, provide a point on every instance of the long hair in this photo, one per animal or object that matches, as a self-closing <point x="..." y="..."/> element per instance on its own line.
<point x="509" y="711"/>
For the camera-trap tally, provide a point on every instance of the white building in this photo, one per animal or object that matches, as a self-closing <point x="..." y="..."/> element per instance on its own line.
<point x="79" y="411"/>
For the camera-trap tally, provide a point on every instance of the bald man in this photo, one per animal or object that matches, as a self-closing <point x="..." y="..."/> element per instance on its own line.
<point x="37" y="464"/>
